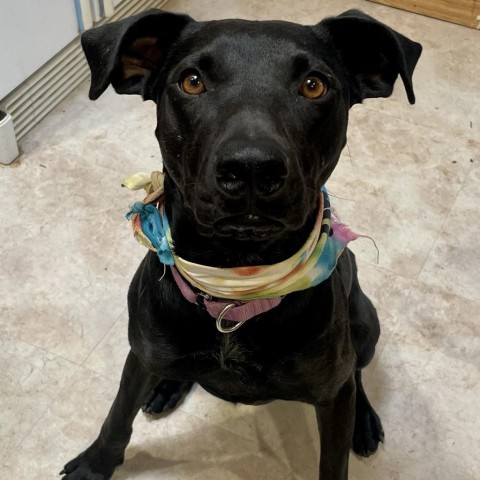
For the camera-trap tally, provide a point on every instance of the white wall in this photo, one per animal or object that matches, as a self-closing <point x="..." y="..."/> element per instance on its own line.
<point x="32" y="32"/>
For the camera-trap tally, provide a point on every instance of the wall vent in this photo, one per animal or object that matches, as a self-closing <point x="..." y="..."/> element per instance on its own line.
<point x="37" y="96"/>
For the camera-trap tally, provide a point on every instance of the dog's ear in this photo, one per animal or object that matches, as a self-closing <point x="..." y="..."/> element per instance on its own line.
<point x="372" y="54"/>
<point x="125" y="53"/>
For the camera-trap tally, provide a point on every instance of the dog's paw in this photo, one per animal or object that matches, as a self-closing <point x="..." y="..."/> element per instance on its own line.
<point x="89" y="467"/>
<point x="81" y="473"/>
<point x="168" y="394"/>
<point x="368" y="432"/>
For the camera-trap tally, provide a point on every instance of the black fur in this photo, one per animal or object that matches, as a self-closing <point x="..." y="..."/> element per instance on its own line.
<point x="244" y="162"/>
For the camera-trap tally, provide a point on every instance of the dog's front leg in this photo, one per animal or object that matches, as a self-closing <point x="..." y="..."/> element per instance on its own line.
<point x="107" y="452"/>
<point x="336" y="420"/>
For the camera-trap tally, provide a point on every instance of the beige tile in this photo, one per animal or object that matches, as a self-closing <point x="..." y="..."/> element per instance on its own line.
<point x="125" y="122"/>
<point x="68" y="256"/>
<point x="109" y="356"/>
<point x="387" y="290"/>
<point x="71" y="422"/>
<point x="447" y="324"/>
<point x="397" y="188"/>
<point x="287" y="431"/>
<point x="302" y="12"/>
<point x="183" y="446"/>
<point x="445" y="78"/>
<point x="177" y="447"/>
<point x="426" y="384"/>
<point x="52" y="322"/>
<point x="454" y="262"/>
<point x="31" y="379"/>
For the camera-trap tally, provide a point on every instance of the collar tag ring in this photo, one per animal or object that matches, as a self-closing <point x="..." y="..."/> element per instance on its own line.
<point x="222" y="314"/>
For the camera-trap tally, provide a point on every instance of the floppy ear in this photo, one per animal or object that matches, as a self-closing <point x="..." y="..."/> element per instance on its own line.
<point x="372" y="54"/>
<point x="125" y="53"/>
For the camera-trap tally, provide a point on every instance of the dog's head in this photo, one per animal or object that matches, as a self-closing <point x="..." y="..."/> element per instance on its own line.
<point x="252" y="116"/>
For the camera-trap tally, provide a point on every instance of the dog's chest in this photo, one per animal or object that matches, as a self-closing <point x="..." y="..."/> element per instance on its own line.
<point x="221" y="356"/>
<point x="282" y="353"/>
<point x="244" y="372"/>
<point x="235" y="356"/>
<point x="236" y="368"/>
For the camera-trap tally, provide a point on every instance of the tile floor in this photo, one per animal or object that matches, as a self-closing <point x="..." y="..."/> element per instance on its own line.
<point x="410" y="178"/>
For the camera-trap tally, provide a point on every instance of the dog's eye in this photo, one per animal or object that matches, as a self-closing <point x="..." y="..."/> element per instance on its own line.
<point x="313" y="87"/>
<point x="192" y="83"/>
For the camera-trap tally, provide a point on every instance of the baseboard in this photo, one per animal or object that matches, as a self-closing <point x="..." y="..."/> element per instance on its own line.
<point x="463" y="12"/>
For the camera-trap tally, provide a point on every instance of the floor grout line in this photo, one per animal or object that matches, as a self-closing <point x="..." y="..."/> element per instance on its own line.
<point x="117" y="319"/>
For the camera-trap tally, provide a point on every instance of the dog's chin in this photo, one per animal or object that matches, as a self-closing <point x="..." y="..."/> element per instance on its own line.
<point x="248" y="228"/>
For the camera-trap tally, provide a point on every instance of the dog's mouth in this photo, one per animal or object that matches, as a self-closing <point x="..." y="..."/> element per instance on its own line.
<point x="249" y="227"/>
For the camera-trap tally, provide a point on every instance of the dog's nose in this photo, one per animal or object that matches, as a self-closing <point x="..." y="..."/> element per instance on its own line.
<point x="259" y="170"/>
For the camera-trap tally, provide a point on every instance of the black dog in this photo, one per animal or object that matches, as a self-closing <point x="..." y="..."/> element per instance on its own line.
<point x="252" y="117"/>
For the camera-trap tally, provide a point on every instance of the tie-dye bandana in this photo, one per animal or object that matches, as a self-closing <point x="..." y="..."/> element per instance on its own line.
<point x="310" y="266"/>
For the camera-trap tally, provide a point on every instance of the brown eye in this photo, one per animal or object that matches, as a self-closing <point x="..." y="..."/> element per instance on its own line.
<point x="192" y="84"/>
<point x="312" y="87"/>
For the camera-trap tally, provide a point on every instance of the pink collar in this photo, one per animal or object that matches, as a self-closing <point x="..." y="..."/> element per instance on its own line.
<point x="223" y="309"/>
